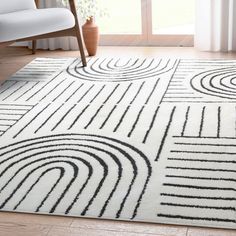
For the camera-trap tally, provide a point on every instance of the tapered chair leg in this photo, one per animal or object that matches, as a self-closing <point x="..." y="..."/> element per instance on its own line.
<point x="81" y="48"/>
<point x="34" y="45"/>
<point x="77" y="32"/>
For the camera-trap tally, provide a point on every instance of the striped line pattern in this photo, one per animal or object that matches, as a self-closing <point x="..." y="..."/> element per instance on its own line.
<point x="10" y="114"/>
<point x="133" y="139"/>
<point x="208" y="81"/>
<point x="117" y="108"/>
<point x="200" y="181"/>
<point x="40" y="69"/>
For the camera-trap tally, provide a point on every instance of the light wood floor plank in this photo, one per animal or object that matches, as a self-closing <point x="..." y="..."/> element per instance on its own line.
<point x="196" y="231"/>
<point x="60" y="231"/>
<point x="20" y="218"/>
<point x="21" y="229"/>
<point x="140" y="228"/>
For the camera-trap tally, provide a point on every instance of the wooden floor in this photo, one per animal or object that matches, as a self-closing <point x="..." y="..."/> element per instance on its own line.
<point x="15" y="224"/>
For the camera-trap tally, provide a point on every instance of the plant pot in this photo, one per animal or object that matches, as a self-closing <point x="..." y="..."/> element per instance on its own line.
<point x="91" y="36"/>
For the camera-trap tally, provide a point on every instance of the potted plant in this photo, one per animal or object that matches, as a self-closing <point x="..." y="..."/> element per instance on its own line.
<point x="89" y="9"/>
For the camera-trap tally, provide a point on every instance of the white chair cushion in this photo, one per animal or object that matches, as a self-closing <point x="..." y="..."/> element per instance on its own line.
<point x="22" y="24"/>
<point x="7" y="6"/>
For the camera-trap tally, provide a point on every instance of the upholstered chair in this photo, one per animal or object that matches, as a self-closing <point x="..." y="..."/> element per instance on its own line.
<point x="21" y="20"/>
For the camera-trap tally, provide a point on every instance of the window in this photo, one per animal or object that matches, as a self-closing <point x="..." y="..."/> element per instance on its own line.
<point x="148" y="22"/>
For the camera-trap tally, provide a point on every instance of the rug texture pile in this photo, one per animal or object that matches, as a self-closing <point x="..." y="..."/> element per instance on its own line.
<point x="149" y="140"/>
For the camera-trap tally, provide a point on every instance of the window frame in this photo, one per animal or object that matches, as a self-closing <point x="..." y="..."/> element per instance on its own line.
<point x="146" y="38"/>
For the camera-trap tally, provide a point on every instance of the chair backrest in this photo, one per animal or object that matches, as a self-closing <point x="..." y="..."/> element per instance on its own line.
<point x="7" y="6"/>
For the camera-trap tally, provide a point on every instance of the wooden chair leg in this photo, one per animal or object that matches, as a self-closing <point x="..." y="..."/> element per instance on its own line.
<point x="77" y="32"/>
<point x="81" y="48"/>
<point x="34" y="45"/>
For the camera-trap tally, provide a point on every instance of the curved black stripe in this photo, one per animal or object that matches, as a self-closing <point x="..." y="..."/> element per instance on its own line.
<point x="223" y="84"/>
<point x="68" y="137"/>
<point x="142" y="76"/>
<point x="230" y="90"/>
<point x="62" y="172"/>
<point x="126" y="66"/>
<point x="135" y="172"/>
<point x="75" y="168"/>
<point x="211" y="72"/>
<point x="51" y="151"/>
<point x="120" y="72"/>
<point x="145" y="71"/>
<point x="120" y="170"/>
<point x="222" y="89"/>
<point x="108" y="67"/>
<point x="98" y="149"/>
<point x="139" y="67"/>
<point x="148" y="164"/>
<point x="75" y="174"/>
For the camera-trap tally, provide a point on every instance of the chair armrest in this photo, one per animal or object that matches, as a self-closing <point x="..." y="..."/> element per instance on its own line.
<point x="73" y="8"/>
<point x="71" y="3"/>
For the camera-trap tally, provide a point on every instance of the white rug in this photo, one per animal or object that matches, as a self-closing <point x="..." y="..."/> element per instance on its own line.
<point x="134" y="139"/>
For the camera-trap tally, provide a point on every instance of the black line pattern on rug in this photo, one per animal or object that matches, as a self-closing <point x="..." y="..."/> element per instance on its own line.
<point x="101" y="69"/>
<point x="214" y="119"/>
<point x="184" y="169"/>
<point x="10" y="114"/>
<point x="39" y="70"/>
<point x="165" y="133"/>
<point x="108" y="143"/>
<point x="208" y="82"/>
<point x="92" y="146"/>
<point x="62" y="115"/>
